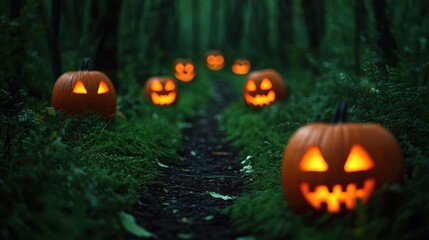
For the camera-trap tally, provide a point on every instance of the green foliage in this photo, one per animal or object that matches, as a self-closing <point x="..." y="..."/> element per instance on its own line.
<point x="70" y="177"/>
<point x="262" y="134"/>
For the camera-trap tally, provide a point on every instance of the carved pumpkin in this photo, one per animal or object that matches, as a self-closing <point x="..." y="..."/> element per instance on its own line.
<point x="263" y="88"/>
<point x="215" y="60"/>
<point x="328" y="167"/>
<point x="84" y="92"/>
<point x="161" y="90"/>
<point x="184" y="70"/>
<point x="241" y="66"/>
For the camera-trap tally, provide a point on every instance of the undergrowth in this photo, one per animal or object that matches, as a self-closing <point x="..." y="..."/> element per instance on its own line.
<point x="262" y="134"/>
<point x="65" y="177"/>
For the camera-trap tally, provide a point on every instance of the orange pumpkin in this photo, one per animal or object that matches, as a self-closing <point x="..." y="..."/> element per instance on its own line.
<point x="263" y="87"/>
<point x="84" y="92"/>
<point x="241" y="66"/>
<point x="215" y="60"/>
<point x="328" y="167"/>
<point x="184" y="70"/>
<point x="161" y="90"/>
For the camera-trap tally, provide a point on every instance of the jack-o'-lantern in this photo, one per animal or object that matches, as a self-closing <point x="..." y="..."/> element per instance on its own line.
<point x="328" y="167"/>
<point x="184" y="70"/>
<point x="84" y="92"/>
<point x="161" y="90"/>
<point x="263" y="87"/>
<point x="215" y="60"/>
<point x="241" y="66"/>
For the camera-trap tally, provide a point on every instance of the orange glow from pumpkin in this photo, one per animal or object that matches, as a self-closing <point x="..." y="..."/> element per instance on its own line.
<point x="102" y="88"/>
<point x="184" y="72"/>
<point x="170" y="85"/>
<point x="215" y="62"/>
<point x="163" y="99"/>
<point x="358" y="160"/>
<point x="260" y="100"/>
<point x="79" y="88"/>
<point x="266" y="84"/>
<point x="313" y="161"/>
<point x="250" y="85"/>
<point x="156" y="86"/>
<point x="241" y="67"/>
<point x="334" y="198"/>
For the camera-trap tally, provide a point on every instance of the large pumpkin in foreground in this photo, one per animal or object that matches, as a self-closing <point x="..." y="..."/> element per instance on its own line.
<point x="263" y="88"/>
<point x="328" y="167"/>
<point x="84" y="92"/>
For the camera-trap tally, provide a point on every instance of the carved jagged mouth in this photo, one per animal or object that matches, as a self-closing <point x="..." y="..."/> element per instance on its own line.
<point x="260" y="99"/>
<point x="185" y="77"/>
<point x="215" y="67"/>
<point x="337" y="197"/>
<point x="165" y="99"/>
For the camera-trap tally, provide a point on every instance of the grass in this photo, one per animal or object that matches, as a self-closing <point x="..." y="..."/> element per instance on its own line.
<point x="73" y="177"/>
<point x="262" y="135"/>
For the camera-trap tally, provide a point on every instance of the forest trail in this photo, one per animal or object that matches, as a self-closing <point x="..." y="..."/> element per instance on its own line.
<point x="180" y="205"/>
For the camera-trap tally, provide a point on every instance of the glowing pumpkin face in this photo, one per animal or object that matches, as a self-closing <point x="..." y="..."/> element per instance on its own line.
<point x="328" y="167"/>
<point x="263" y="88"/>
<point x="215" y="60"/>
<point x="84" y="92"/>
<point x="241" y="66"/>
<point x="161" y="90"/>
<point x="184" y="70"/>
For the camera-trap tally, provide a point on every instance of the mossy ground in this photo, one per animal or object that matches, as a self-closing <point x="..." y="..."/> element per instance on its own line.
<point x="262" y="135"/>
<point x="71" y="177"/>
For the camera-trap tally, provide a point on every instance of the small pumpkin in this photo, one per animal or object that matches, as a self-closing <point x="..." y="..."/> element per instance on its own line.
<point x="184" y="70"/>
<point x="241" y="66"/>
<point x="263" y="87"/>
<point x="84" y="92"/>
<point x="215" y="60"/>
<point x="161" y="90"/>
<point x="328" y="167"/>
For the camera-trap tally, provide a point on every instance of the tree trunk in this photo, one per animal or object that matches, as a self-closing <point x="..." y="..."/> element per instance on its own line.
<point x="15" y="9"/>
<point x="106" y="16"/>
<point x="314" y="16"/>
<point x="55" y="50"/>
<point x="386" y="44"/>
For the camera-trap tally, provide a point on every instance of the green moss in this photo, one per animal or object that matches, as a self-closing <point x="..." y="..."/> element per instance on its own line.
<point x="263" y="134"/>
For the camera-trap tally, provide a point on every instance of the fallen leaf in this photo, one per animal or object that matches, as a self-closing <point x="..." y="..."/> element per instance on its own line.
<point x="129" y="223"/>
<point x="223" y="197"/>
<point x="193" y="153"/>
<point x="209" y="217"/>
<point x="218" y="153"/>
<point x="161" y="165"/>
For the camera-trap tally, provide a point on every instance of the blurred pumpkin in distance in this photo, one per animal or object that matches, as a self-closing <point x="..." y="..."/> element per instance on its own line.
<point x="263" y="88"/>
<point x="184" y="70"/>
<point x="215" y="60"/>
<point x="241" y="66"/>
<point x="161" y="90"/>
<point x="84" y="91"/>
<point x="327" y="167"/>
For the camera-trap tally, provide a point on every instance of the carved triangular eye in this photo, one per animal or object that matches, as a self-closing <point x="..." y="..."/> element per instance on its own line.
<point x="250" y="85"/>
<point x="79" y="88"/>
<point x="266" y="84"/>
<point x="313" y="161"/>
<point x="358" y="160"/>
<point x="102" y="87"/>
<point x="156" y="86"/>
<point x="170" y="86"/>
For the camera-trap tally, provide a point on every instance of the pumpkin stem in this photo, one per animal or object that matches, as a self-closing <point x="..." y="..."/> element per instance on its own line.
<point x="341" y="112"/>
<point x="85" y="64"/>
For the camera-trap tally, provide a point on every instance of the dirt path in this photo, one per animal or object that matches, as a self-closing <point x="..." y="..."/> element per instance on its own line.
<point x="180" y="206"/>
